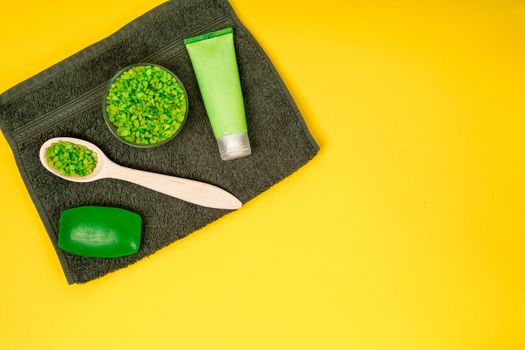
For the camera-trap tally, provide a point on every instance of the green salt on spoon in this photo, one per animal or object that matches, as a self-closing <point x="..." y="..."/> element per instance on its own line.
<point x="71" y="159"/>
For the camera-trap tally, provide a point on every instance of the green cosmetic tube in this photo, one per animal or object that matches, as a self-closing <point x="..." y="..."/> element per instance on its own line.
<point x="213" y="58"/>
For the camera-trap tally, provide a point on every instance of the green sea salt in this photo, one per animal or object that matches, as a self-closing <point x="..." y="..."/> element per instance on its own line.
<point x="71" y="159"/>
<point x="146" y="104"/>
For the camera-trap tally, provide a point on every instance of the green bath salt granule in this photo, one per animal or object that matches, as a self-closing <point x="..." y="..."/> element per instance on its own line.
<point x="146" y="104"/>
<point x="71" y="159"/>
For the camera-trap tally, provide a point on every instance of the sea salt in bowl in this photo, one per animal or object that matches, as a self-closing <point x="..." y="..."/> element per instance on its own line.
<point x="145" y="105"/>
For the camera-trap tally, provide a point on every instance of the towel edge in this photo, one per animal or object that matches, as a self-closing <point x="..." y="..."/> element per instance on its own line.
<point x="40" y="209"/>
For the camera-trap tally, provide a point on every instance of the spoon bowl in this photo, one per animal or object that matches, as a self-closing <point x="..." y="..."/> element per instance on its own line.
<point x="102" y="160"/>
<point x="195" y="192"/>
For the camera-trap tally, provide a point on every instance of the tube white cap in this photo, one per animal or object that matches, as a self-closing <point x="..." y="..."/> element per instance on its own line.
<point x="234" y="146"/>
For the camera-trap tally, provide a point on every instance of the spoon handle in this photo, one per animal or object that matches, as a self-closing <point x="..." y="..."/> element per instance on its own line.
<point x="195" y="192"/>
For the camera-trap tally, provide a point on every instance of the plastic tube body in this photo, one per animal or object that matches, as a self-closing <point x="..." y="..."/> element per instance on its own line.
<point x="214" y="62"/>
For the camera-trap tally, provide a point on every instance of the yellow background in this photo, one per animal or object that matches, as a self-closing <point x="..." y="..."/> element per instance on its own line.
<point x="405" y="232"/>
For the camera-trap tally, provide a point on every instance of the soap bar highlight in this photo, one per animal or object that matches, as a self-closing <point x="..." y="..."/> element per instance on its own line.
<point x="102" y="232"/>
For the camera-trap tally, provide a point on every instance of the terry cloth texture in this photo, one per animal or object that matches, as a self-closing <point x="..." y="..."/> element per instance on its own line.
<point x="65" y="100"/>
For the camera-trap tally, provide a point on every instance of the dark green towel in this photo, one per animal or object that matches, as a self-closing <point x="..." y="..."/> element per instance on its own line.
<point x="65" y="100"/>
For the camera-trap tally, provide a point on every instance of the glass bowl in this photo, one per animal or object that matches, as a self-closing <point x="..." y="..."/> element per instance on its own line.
<point x="113" y="128"/>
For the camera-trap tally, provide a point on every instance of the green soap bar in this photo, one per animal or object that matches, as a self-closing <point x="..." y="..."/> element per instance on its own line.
<point x="101" y="232"/>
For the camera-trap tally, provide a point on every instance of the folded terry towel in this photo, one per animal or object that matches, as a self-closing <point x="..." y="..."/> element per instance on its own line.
<point x="65" y="100"/>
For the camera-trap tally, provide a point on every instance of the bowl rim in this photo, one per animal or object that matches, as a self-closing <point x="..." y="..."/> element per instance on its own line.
<point x="113" y="128"/>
